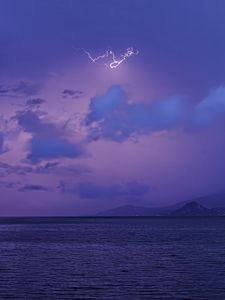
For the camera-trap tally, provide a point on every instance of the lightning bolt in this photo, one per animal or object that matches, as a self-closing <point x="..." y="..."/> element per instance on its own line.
<point x="115" y="61"/>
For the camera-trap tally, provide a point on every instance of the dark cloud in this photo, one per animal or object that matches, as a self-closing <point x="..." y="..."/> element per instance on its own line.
<point x="9" y="184"/>
<point x="33" y="187"/>
<point x="30" y="122"/>
<point x="48" y="140"/>
<point x="20" y="88"/>
<point x="112" y="116"/>
<point x="102" y="107"/>
<point x="129" y="190"/>
<point x="74" y="94"/>
<point x="16" y="185"/>
<point x="53" y="168"/>
<point x="1" y="142"/>
<point x="91" y="190"/>
<point x="7" y="169"/>
<point x="210" y="110"/>
<point x="51" y="148"/>
<point x="3" y="147"/>
<point x="34" y="103"/>
<point x="62" y="170"/>
<point x="8" y="128"/>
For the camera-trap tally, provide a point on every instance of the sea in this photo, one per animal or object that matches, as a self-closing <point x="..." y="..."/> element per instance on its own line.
<point x="112" y="258"/>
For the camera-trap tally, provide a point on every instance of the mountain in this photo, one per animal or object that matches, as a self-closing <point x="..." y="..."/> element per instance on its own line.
<point x="209" y="205"/>
<point x="191" y="208"/>
<point x="210" y="201"/>
<point x="194" y="208"/>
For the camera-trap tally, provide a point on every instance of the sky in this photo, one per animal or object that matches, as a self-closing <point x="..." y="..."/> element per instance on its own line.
<point x="78" y="137"/>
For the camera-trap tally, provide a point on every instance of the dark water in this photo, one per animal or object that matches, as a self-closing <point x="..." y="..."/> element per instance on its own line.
<point x="94" y="258"/>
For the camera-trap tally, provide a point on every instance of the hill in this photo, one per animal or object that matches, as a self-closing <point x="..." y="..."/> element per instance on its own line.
<point x="191" y="208"/>
<point x="194" y="208"/>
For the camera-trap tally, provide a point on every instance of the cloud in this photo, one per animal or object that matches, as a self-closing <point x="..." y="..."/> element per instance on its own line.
<point x="33" y="187"/>
<point x="53" y="168"/>
<point x="34" y="103"/>
<point x="91" y="190"/>
<point x="1" y="142"/>
<point x="8" y="128"/>
<point x="3" y="147"/>
<point x="128" y="190"/>
<point x="102" y="107"/>
<point x="62" y="170"/>
<point x="9" y="184"/>
<point x="210" y="110"/>
<point x="20" y="88"/>
<point x="12" y="185"/>
<point x="51" y="148"/>
<point x="30" y="122"/>
<point x="48" y="140"/>
<point x="7" y="169"/>
<point x="73" y="94"/>
<point x="113" y="117"/>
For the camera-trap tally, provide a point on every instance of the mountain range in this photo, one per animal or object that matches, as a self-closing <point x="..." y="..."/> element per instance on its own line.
<point x="210" y="205"/>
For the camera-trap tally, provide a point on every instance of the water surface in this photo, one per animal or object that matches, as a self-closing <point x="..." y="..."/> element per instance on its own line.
<point x="112" y="258"/>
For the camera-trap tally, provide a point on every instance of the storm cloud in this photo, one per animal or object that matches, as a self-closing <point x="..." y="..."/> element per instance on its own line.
<point x="90" y="190"/>
<point x="113" y="117"/>
<point x="33" y="187"/>
<point x="48" y="140"/>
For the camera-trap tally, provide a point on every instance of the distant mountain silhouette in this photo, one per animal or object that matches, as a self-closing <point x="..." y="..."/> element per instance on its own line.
<point x="211" y="201"/>
<point x="193" y="208"/>
<point x="188" y="208"/>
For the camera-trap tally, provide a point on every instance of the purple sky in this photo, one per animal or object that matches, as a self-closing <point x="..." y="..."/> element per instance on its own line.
<point x="77" y="137"/>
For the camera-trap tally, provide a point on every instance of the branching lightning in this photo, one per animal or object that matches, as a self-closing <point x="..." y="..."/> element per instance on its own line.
<point x="110" y="54"/>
